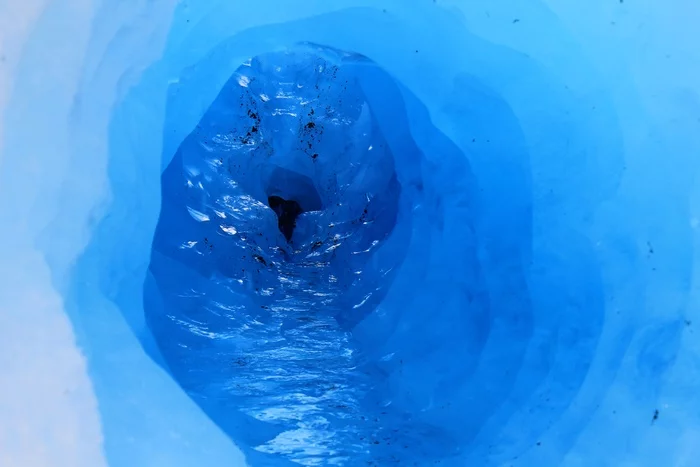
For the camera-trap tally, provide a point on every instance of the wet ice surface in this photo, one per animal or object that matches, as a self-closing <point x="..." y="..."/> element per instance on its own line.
<point x="290" y="365"/>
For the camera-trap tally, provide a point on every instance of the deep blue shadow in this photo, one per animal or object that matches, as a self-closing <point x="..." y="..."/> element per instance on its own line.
<point x="251" y="322"/>
<point x="328" y="346"/>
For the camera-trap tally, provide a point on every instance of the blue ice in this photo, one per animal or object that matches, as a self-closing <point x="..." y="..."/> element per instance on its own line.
<point x="494" y="264"/>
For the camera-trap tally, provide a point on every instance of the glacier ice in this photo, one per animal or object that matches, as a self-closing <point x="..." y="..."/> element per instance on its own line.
<point x="532" y="217"/>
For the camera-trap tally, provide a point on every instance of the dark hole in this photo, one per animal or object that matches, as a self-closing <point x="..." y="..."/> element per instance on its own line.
<point x="287" y="212"/>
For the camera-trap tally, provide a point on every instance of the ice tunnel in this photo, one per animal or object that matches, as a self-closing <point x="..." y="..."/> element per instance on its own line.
<point x="358" y="232"/>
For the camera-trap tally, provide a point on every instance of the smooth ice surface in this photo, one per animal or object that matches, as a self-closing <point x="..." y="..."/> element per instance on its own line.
<point x="542" y="308"/>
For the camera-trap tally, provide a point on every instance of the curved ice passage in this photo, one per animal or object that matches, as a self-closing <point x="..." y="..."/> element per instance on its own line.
<point x="507" y="277"/>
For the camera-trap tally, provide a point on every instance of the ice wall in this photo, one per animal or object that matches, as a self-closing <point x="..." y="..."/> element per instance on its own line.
<point x="580" y="128"/>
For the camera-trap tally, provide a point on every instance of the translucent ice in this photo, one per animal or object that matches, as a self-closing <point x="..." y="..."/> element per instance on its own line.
<point x="506" y="277"/>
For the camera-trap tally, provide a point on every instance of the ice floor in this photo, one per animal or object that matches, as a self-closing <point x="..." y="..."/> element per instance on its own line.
<point x="493" y="255"/>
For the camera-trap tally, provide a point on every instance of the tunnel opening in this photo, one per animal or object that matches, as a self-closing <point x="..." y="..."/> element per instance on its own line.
<point x="291" y="184"/>
<point x="287" y="214"/>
